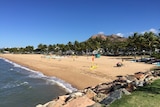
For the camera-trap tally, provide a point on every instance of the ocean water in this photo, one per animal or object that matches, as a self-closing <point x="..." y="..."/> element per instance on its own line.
<point x="22" y="87"/>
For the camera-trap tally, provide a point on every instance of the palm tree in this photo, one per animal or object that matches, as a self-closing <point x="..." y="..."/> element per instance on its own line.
<point x="42" y="48"/>
<point x="29" y="49"/>
<point x="151" y="40"/>
<point x="82" y="47"/>
<point x="70" y="45"/>
<point x="50" y="48"/>
<point x="61" y="48"/>
<point x="132" y="43"/>
<point x="76" y="46"/>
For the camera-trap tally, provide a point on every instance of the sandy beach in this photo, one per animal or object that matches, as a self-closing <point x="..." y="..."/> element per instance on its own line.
<point x="80" y="71"/>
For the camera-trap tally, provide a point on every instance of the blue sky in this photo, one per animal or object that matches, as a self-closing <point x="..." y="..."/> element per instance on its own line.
<point x="31" y="22"/>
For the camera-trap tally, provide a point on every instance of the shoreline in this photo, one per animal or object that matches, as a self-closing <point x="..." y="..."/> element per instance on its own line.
<point x="76" y="71"/>
<point x="66" y="86"/>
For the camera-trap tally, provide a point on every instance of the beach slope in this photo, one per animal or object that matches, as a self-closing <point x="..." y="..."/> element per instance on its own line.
<point x="81" y="71"/>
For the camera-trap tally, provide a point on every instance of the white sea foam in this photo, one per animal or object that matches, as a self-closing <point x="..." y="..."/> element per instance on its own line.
<point x="14" y="84"/>
<point x="35" y="74"/>
<point x="11" y="69"/>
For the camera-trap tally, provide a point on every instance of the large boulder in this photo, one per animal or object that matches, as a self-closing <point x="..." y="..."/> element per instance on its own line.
<point x="103" y="88"/>
<point x="130" y="78"/>
<point x="58" y="103"/>
<point x="139" y="75"/>
<point x="130" y="87"/>
<point x="124" y="91"/>
<point x="73" y="96"/>
<point x="90" y="94"/>
<point x="112" y="97"/>
<point x="96" y="105"/>
<point x="99" y="97"/>
<point x="83" y="101"/>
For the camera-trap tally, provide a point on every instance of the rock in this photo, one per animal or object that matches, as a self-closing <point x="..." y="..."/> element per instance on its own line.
<point x="141" y="83"/>
<point x="90" y="94"/>
<point x="116" y="94"/>
<point x="124" y="91"/>
<point x="128" y="81"/>
<point x="135" y="83"/>
<point x="103" y="88"/>
<point x="115" y="87"/>
<point x="63" y="98"/>
<point x="148" y="78"/>
<point x="138" y="83"/>
<point x="130" y="87"/>
<point x="53" y="104"/>
<point x="99" y="97"/>
<point x="83" y="101"/>
<point x="59" y="102"/>
<point x="73" y="96"/>
<point x="96" y="105"/>
<point x="120" y="79"/>
<point x="76" y="94"/>
<point x="156" y="73"/>
<point x="108" y="101"/>
<point x="112" y="97"/>
<point x="139" y="75"/>
<point x="48" y="104"/>
<point x="148" y="72"/>
<point x="39" y="105"/>
<point x="130" y="78"/>
<point x="145" y="76"/>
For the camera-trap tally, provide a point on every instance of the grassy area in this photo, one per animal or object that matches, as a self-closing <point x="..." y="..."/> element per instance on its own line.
<point x="147" y="96"/>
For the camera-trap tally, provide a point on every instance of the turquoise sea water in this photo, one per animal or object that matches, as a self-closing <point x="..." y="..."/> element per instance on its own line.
<point x="22" y="87"/>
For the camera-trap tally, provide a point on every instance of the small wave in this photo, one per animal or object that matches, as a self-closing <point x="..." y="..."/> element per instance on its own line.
<point x="11" y="69"/>
<point x="14" y="84"/>
<point x="35" y="74"/>
<point x="53" y="80"/>
<point x="23" y="83"/>
<point x="61" y="83"/>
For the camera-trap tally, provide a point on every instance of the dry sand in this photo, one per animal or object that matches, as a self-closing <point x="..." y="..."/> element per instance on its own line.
<point x="77" y="70"/>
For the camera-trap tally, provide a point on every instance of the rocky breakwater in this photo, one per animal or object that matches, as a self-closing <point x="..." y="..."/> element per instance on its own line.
<point x="105" y="93"/>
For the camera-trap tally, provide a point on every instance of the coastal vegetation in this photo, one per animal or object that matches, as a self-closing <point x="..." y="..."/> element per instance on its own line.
<point x="136" y="44"/>
<point x="147" y="96"/>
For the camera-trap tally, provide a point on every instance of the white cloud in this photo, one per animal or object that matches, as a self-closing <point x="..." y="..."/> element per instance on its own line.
<point x="131" y="33"/>
<point x="100" y="32"/>
<point x="150" y="30"/>
<point x="119" y="34"/>
<point x="143" y="32"/>
<point x="153" y="30"/>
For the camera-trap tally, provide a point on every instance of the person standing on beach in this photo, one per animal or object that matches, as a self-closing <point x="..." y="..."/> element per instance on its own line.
<point x="92" y="58"/>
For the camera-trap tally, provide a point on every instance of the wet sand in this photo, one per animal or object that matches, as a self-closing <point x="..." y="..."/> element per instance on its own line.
<point x="80" y="71"/>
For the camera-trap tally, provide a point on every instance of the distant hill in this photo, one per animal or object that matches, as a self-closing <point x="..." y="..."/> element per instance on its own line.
<point x="112" y="37"/>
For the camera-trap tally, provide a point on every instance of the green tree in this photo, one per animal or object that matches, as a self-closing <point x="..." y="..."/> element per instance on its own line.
<point x="151" y="40"/>
<point x="50" y="48"/>
<point x="43" y="48"/>
<point x="70" y="45"/>
<point x="29" y="49"/>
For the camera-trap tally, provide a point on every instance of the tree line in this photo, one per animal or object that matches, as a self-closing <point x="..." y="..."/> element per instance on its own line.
<point x="147" y="43"/>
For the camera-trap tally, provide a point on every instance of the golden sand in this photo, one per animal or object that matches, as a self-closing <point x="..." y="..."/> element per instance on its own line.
<point x="79" y="71"/>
